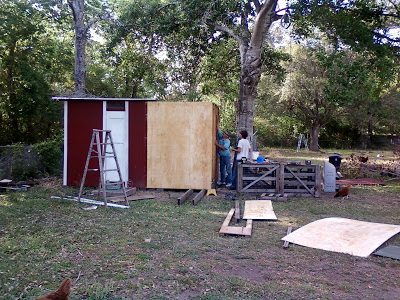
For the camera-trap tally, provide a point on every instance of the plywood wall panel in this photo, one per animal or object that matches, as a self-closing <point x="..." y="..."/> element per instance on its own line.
<point x="180" y="145"/>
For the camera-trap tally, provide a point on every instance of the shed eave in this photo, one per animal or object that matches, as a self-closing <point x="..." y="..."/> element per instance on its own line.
<point x="59" y="98"/>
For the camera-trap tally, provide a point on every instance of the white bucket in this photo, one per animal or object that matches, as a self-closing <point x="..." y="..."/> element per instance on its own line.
<point x="255" y="154"/>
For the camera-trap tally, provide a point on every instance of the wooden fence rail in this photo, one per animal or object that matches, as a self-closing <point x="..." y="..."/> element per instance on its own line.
<point x="279" y="179"/>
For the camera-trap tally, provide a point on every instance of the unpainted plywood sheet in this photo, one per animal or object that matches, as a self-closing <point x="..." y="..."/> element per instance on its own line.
<point x="180" y="145"/>
<point x="259" y="210"/>
<point x="349" y="236"/>
<point x="389" y="251"/>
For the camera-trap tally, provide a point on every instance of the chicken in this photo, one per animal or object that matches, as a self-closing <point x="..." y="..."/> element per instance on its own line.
<point x="343" y="192"/>
<point x="60" y="294"/>
<point x="363" y="159"/>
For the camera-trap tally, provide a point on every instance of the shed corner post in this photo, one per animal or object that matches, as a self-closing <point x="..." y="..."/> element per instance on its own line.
<point x="318" y="181"/>
<point x="65" y="154"/>
<point x="281" y="179"/>
<point x="239" y="178"/>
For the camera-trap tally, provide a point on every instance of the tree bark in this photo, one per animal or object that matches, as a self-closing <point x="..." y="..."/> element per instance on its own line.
<point x="78" y="12"/>
<point x="314" y="136"/>
<point x="250" y="74"/>
<point x="251" y="64"/>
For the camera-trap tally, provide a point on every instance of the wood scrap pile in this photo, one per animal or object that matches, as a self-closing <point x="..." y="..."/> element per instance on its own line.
<point x="365" y="167"/>
<point x="253" y="210"/>
<point x="7" y="185"/>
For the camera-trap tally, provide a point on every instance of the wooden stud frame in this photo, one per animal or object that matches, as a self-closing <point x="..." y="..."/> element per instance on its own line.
<point x="233" y="230"/>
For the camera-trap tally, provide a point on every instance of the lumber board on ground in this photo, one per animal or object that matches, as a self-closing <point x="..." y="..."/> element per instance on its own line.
<point x="185" y="196"/>
<point x="237" y="211"/>
<point x="111" y="193"/>
<point x="260" y="190"/>
<point x="200" y="195"/>
<point x="89" y="201"/>
<point x="177" y="132"/>
<point x="233" y="230"/>
<point x="286" y="243"/>
<point x="131" y="198"/>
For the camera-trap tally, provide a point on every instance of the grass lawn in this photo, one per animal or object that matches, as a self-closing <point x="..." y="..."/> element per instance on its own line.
<point x="104" y="252"/>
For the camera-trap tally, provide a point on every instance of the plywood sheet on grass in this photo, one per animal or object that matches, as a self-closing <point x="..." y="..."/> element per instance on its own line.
<point x="259" y="210"/>
<point x="180" y="145"/>
<point x="349" y="236"/>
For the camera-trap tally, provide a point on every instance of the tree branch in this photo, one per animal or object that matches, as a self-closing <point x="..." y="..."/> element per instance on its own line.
<point x="257" y="5"/>
<point x="230" y="32"/>
<point x="384" y="36"/>
<point x="260" y="23"/>
<point x="395" y="5"/>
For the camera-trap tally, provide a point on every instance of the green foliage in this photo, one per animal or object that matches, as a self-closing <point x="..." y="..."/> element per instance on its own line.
<point x="218" y="80"/>
<point x="21" y="162"/>
<point x="124" y="70"/>
<point x="49" y="154"/>
<point x="31" y="60"/>
<point x="363" y="24"/>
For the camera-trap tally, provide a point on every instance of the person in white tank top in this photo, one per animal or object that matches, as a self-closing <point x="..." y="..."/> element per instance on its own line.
<point x="242" y="150"/>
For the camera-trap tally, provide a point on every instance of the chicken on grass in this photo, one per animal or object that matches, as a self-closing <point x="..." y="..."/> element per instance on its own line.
<point x="60" y="294"/>
<point x="343" y="192"/>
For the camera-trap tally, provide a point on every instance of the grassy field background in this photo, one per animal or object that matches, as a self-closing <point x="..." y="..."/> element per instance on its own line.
<point x="107" y="253"/>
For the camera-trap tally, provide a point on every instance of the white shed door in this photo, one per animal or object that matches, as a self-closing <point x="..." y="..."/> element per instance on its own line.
<point x="116" y="121"/>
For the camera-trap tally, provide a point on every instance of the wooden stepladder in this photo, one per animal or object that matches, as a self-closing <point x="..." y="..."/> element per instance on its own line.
<point x="99" y="150"/>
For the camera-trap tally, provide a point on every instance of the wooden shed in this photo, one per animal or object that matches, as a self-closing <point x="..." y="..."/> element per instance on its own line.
<point x="159" y="144"/>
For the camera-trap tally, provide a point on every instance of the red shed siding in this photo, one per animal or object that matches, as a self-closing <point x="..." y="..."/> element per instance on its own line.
<point x="83" y="117"/>
<point x="138" y="143"/>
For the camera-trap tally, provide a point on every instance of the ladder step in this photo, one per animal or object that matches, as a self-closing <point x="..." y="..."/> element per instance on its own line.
<point x="103" y="156"/>
<point x="108" y="170"/>
<point x="114" y="183"/>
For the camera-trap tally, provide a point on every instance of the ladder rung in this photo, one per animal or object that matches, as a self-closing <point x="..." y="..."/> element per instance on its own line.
<point x="103" y="143"/>
<point x="102" y="156"/>
<point x="108" y="170"/>
<point x="100" y="130"/>
<point x="114" y="183"/>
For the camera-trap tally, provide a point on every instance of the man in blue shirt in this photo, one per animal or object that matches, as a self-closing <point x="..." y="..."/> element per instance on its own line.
<point x="224" y="153"/>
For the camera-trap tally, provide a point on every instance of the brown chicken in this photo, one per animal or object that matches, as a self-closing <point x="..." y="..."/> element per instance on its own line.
<point x="363" y="159"/>
<point x="343" y="192"/>
<point x="62" y="292"/>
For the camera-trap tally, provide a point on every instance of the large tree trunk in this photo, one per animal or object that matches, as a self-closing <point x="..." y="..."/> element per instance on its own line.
<point x="314" y="136"/>
<point x="249" y="78"/>
<point x="78" y="11"/>
<point x="251" y="64"/>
